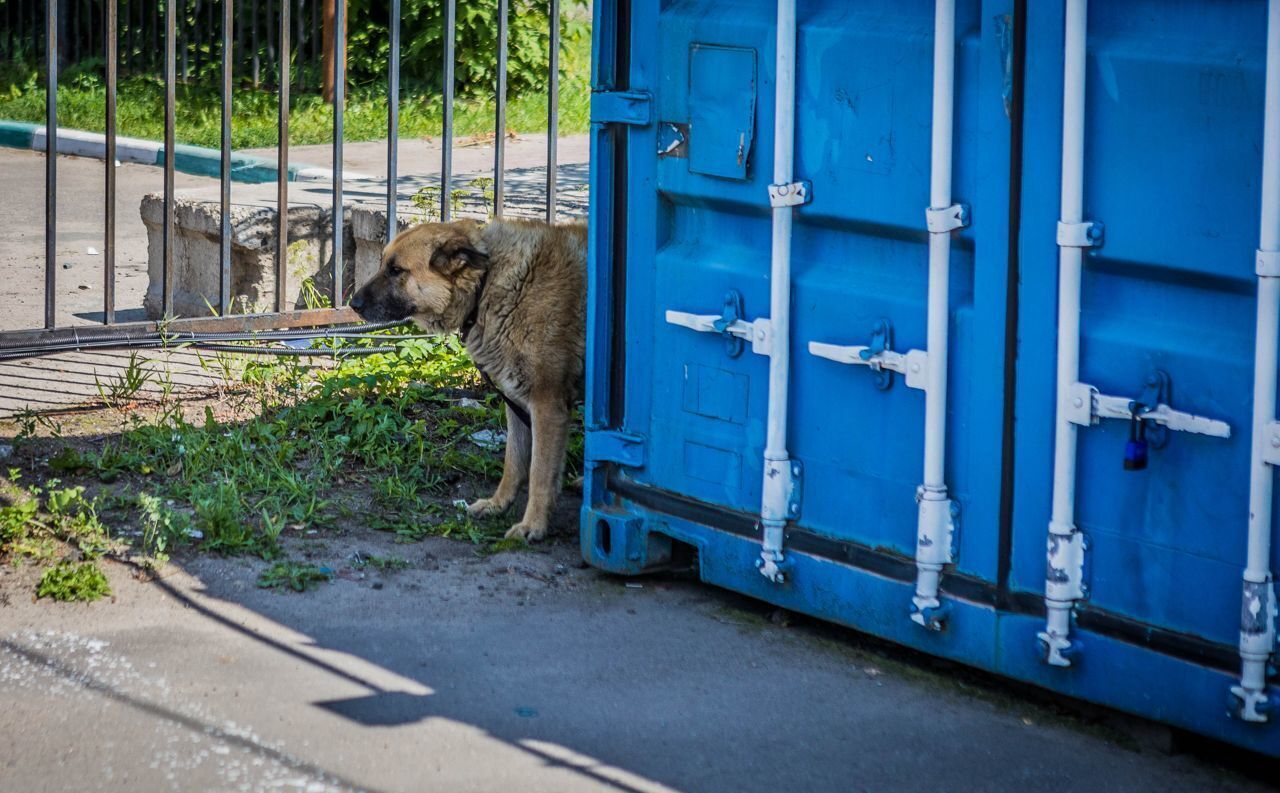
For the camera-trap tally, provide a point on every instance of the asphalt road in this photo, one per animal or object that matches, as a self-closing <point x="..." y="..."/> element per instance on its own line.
<point x="518" y="672"/>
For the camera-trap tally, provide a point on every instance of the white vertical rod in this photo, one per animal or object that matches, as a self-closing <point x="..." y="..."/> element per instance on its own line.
<point x="775" y="495"/>
<point x="1062" y="582"/>
<point x="935" y="411"/>
<point x="1257" y="630"/>
<point x="933" y="547"/>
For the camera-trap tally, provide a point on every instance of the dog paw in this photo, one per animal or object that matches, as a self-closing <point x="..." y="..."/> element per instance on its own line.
<point x="485" y="507"/>
<point x="527" y="532"/>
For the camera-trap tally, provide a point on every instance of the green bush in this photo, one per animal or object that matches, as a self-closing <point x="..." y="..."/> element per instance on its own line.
<point x="476" y="44"/>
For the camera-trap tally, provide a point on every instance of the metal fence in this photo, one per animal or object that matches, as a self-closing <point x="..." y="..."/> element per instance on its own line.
<point x="35" y="341"/>
<point x="139" y="30"/>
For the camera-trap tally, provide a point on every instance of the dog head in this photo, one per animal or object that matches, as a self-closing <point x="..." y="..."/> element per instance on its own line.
<point x="430" y="273"/>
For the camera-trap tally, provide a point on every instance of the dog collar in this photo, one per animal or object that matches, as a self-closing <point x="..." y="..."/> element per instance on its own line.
<point x="469" y="321"/>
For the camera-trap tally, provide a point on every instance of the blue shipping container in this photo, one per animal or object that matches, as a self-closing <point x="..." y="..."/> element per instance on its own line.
<point x="1161" y="205"/>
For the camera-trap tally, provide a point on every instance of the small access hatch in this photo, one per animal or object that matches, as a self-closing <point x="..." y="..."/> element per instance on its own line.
<point x="722" y="109"/>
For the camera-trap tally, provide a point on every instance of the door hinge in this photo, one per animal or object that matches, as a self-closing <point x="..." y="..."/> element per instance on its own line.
<point x="620" y="107"/>
<point x="611" y="446"/>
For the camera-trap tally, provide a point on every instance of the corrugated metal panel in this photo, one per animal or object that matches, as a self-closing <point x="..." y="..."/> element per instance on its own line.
<point x="1173" y="123"/>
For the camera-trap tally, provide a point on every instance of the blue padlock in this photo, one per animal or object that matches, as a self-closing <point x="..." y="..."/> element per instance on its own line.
<point x="1135" y="449"/>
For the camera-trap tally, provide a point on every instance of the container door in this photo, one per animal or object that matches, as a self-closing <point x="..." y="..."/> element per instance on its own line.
<point x="698" y="243"/>
<point x="1172" y="169"/>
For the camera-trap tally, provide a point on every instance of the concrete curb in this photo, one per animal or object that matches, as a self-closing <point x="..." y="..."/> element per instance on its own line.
<point x="196" y="160"/>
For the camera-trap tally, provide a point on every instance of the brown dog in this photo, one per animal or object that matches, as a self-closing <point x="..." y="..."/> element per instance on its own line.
<point x="516" y="293"/>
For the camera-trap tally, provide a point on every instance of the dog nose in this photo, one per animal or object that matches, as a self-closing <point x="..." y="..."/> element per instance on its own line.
<point x="357" y="300"/>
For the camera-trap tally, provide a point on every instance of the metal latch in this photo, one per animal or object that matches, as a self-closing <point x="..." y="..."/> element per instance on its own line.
<point x="1086" y="406"/>
<point x="791" y="194"/>
<point x="610" y="446"/>
<point x="729" y="324"/>
<point x="879" y="357"/>
<point x="620" y="107"/>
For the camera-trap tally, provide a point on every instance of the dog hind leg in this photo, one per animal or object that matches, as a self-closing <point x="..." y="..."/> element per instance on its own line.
<point x="550" y="434"/>
<point x="515" y="468"/>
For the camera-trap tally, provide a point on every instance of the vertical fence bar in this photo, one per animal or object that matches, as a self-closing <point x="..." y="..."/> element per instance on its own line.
<point x="282" y="163"/>
<point x="553" y="108"/>
<point x="182" y="44"/>
<point x="224" y="193"/>
<point x="153" y="34"/>
<point x="131" y="41"/>
<point x="446" y="141"/>
<point x="170" y="79"/>
<point x="51" y="162"/>
<point x="339" y="107"/>
<point x="393" y="116"/>
<point x="74" y="12"/>
<point x="253" y="43"/>
<point x="194" y="36"/>
<point x="500" y="120"/>
<point x="312" y="38"/>
<point x="109" y="219"/>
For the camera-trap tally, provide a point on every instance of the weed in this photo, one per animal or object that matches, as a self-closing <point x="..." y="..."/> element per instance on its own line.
<point x="118" y="391"/>
<point x="386" y="564"/>
<point x="68" y="581"/>
<point x="162" y="527"/>
<point x="292" y="575"/>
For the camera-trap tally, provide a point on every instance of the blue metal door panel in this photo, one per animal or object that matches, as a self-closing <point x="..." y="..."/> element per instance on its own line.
<point x="1172" y="165"/>
<point x="861" y="258"/>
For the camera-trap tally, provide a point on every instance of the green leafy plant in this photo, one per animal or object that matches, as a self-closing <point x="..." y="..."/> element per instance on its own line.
<point x="68" y="581"/>
<point x="162" y="527"/>
<point x="386" y="564"/>
<point x="294" y="576"/>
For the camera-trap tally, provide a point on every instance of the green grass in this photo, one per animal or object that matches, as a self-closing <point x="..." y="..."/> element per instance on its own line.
<point x="380" y="441"/>
<point x="140" y="108"/>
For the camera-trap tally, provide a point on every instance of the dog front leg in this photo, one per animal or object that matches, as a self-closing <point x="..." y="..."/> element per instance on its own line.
<point x="550" y="433"/>
<point x="515" y="467"/>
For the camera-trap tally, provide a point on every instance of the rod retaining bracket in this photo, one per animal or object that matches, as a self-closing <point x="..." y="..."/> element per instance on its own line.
<point x="1080" y="235"/>
<point x="782" y="489"/>
<point x="943" y="220"/>
<point x="1271" y="443"/>
<point x="1268" y="264"/>
<point x="791" y="194"/>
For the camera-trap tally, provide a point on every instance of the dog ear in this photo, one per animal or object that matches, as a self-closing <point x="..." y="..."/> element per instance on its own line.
<point x="455" y="255"/>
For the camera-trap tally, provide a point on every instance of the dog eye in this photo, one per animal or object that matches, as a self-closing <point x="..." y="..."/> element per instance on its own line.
<point x="394" y="269"/>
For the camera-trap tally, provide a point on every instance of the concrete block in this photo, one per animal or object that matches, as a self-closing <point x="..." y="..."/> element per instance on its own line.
<point x="196" y="255"/>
